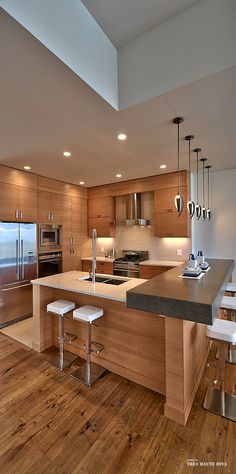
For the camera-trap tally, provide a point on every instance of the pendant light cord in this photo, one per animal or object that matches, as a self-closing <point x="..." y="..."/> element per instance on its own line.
<point x="197" y="177"/>
<point x="208" y="186"/>
<point x="203" y="184"/>
<point x="189" y="167"/>
<point x="178" y="164"/>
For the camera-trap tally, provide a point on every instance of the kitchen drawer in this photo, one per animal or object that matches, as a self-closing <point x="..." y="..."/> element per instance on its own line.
<point x="150" y="271"/>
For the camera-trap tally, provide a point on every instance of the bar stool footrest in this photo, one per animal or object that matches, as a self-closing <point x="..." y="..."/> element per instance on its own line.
<point x="52" y="357"/>
<point x="69" y="337"/>
<point x="208" y="379"/>
<point x="96" y="371"/>
<point x="96" y="347"/>
<point x="213" y="403"/>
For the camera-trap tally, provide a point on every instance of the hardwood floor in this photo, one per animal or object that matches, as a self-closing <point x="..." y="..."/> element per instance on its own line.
<point x="50" y="423"/>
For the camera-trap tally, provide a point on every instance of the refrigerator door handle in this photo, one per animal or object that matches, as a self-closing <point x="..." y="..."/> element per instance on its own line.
<point x="17" y="260"/>
<point x="22" y="260"/>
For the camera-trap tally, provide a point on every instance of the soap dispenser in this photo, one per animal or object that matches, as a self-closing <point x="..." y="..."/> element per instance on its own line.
<point x="192" y="262"/>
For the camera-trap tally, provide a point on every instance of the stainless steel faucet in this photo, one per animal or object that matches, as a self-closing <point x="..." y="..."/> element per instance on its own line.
<point x="94" y="262"/>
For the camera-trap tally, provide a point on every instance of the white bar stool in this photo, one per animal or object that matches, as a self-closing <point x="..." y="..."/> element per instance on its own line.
<point x="218" y="401"/>
<point x="229" y="305"/>
<point x="231" y="287"/>
<point x="89" y="372"/>
<point x="61" y="358"/>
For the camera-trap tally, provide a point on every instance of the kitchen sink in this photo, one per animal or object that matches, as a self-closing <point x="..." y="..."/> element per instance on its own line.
<point x="107" y="280"/>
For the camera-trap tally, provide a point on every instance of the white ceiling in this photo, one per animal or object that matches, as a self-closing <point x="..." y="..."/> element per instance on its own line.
<point x="46" y="109"/>
<point x="125" y="20"/>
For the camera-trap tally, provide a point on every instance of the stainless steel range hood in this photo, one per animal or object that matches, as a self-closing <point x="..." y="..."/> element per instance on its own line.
<point x="133" y="210"/>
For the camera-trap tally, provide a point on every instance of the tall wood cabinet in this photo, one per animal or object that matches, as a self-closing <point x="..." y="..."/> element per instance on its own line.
<point x="74" y="231"/>
<point x="101" y="215"/>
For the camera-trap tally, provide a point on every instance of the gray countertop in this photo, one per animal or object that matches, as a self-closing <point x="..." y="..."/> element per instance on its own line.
<point x="191" y="300"/>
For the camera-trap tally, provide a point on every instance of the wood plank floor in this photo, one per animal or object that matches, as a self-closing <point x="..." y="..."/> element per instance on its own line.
<point x="50" y="423"/>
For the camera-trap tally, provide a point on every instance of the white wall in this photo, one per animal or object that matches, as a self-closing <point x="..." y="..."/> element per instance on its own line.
<point x="217" y="238"/>
<point x="194" y="44"/>
<point x="67" y="29"/>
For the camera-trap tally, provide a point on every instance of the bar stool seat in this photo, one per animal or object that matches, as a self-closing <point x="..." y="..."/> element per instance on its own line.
<point x="231" y="287"/>
<point x="60" y="358"/>
<point x="60" y="307"/>
<point x="89" y="372"/>
<point x="88" y="314"/>
<point x="218" y="401"/>
<point x="228" y="302"/>
<point x="222" y="331"/>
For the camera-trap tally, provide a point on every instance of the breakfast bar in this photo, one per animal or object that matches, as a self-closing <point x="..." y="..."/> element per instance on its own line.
<point x="145" y="338"/>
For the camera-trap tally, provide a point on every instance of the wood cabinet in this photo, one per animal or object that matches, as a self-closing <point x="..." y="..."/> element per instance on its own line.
<point x="50" y="207"/>
<point x="150" y="271"/>
<point x="74" y="231"/>
<point x="102" y="267"/>
<point x="18" y="203"/>
<point x="167" y="222"/>
<point x="101" y="216"/>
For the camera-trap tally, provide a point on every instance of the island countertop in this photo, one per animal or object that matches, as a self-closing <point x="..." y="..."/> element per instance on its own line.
<point x="73" y="281"/>
<point x="188" y="299"/>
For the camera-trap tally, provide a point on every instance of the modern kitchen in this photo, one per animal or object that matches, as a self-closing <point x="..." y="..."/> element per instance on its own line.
<point x="117" y="237"/>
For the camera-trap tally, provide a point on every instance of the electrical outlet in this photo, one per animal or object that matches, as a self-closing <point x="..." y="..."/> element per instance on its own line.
<point x="179" y="252"/>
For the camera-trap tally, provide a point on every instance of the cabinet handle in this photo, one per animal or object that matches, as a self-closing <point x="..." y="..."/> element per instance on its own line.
<point x="72" y="239"/>
<point x="52" y="216"/>
<point x="21" y="214"/>
<point x="49" y="216"/>
<point x="17" y="214"/>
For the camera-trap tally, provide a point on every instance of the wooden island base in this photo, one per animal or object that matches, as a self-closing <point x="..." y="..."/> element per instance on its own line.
<point x="164" y="354"/>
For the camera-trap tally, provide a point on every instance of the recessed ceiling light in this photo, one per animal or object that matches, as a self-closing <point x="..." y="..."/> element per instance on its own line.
<point x="27" y="168"/>
<point x="67" y="153"/>
<point x="118" y="175"/>
<point x="81" y="182"/>
<point x="163" y="167"/>
<point x="122" y="136"/>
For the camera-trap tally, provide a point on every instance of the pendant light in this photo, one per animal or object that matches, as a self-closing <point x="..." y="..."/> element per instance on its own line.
<point x="204" y="211"/>
<point x="208" y="167"/>
<point x="198" y="208"/>
<point x="179" y="202"/>
<point x="190" y="203"/>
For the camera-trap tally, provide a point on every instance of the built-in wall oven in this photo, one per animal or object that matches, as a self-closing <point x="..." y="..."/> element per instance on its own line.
<point x="49" y="264"/>
<point x="49" y="237"/>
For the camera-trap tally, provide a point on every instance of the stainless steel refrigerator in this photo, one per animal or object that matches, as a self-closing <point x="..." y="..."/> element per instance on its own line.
<point x="18" y="266"/>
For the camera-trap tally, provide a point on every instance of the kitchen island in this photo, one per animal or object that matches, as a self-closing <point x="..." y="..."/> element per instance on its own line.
<point x="165" y="354"/>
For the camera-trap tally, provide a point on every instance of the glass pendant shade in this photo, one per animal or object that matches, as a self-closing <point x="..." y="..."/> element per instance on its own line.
<point x="198" y="208"/>
<point x="190" y="203"/>
<point x="204" y="210"/>
<point x="179" y="202"/>
<point x="208" y="212"/>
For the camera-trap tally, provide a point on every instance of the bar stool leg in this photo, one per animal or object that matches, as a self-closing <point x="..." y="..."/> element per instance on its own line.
<point x="89" y="372"/>
<point x="218" y="401"/>
<point x="231" y="353"/>
<point x="88" y="352"/>
<point x="61" y="342"/>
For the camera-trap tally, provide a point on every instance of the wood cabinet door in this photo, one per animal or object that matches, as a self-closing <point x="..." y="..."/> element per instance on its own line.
<point x="8" y="202"/>
<point x="27" y="204"/>
<point x="66" y="221"/>
<point x="44" y="206"/>
<point x="76" y="258"/>
<point x="172" y="225"/>
<point x="167" y="222"/>
<point x="105" y="267"/>
<point x="101" y="216"/>
<point x="150" y="271"/>
<point x="56" y="208"/>
<point x="76" y="220"/>
<point x="164" y="199"/>
<point x="86" y="265"/>
<point x="66" y="258"/>
<point x="71" y="258"/>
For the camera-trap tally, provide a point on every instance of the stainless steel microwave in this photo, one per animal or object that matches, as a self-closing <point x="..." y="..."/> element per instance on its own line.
<point x="49" y="237"/>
